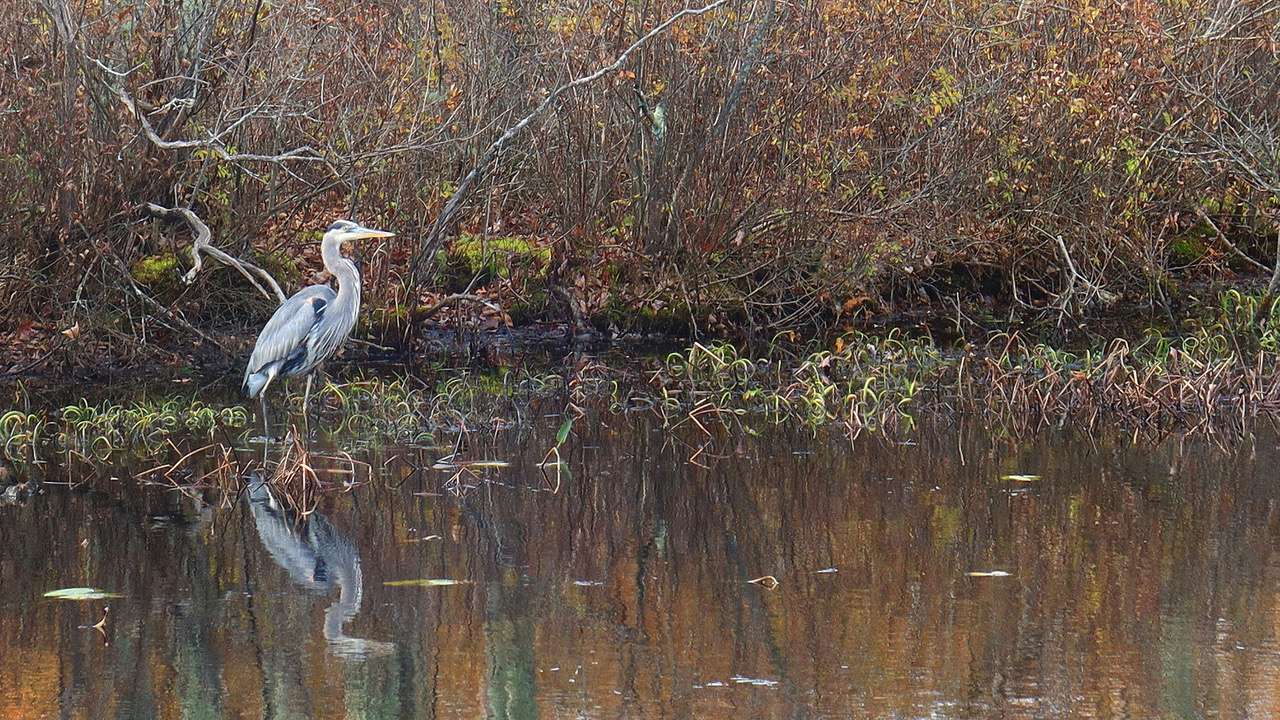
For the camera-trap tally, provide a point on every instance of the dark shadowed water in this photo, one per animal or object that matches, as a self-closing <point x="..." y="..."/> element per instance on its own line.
<point x="1142" y="583"/>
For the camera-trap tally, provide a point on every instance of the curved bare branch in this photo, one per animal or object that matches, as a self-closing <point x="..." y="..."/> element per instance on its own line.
<point x="201" y="242"/>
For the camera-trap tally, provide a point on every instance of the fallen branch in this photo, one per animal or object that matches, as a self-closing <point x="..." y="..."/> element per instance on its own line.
<point x="200" y="243"/>
<point x="1074" y="277"/>
<point x="431" y="243"/>
<point x="444" y="302"/>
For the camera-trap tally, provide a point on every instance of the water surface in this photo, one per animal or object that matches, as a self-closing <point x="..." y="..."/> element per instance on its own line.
<point x="1141" y="582"/>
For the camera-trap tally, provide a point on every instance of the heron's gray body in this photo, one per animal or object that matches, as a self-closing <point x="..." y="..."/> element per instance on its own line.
<point x="298" y="338"/>
<point x="309" y="327"/>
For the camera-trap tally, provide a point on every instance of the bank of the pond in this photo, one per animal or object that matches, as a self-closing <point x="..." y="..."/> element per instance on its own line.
<point x="1218" y="375"/>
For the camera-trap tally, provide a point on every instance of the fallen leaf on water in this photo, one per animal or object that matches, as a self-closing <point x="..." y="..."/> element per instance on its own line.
<point x="81" y="593"/>
<point x="471" y="464"/>
<point x="101" y="625"/>
<point x="424" y="582"/>
<point x="1020" y="478"/>
<point x="421" y="539"/>
<point x="758" y="682"/>
<point x="988" y="573"/>
<point x="768" y="582"/>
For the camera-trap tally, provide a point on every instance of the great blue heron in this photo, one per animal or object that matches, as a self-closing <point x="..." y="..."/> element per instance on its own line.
<point x="310" y="326"/>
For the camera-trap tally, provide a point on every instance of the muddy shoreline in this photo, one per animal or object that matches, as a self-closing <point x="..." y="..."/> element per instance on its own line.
<point x="45" y="356"/>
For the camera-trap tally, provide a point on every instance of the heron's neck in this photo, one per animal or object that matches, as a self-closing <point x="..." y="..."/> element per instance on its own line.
<point x="343" y="270"/>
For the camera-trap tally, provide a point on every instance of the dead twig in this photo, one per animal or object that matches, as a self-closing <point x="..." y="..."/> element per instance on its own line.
<point x="1222" y="238"/>
<point x="212" y="144"/>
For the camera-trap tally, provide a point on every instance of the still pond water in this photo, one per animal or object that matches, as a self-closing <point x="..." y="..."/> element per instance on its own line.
<point x="1142" y="583"/>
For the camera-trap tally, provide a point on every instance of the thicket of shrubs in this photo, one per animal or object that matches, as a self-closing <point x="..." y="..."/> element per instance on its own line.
<point x="761" y="166"/>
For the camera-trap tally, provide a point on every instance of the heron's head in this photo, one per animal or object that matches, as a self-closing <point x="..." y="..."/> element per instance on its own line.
<point x="344" y="231"/>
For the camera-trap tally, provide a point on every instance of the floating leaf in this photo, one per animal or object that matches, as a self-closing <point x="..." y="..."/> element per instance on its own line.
<point x="758" y="682"/>
<point x="425" y="582"/>
<point x="768" y="582"/>
<point x="421" y="539"/>
<point x="471" y="464"/>
<point x="988" y="573"/>
<point x="81" y="593"/>
<point x="1020" y="478"/>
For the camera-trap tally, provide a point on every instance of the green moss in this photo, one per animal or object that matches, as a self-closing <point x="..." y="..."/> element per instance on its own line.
<point x="668" y="320"/>
<point x="665" y="321"/>
<point x="383" y="323"/>
<point x="1188" y="247"/>
<point x="282" y="268"/>
<point x="471" y="256"/>
<point x="156" y="271"/>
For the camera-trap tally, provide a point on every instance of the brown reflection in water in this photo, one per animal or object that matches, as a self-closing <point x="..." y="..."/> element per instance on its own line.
<point x="1143" y="583"/>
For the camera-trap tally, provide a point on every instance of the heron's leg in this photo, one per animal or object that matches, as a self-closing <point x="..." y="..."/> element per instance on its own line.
<point x="266" y="434"/>
<point x="306" y="398"/>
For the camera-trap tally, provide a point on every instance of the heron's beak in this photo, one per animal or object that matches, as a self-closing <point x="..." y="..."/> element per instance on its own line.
<point x="363" y="232"/>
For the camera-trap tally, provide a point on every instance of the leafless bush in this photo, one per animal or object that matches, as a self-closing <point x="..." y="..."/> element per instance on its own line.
<point x="761" y="165"/>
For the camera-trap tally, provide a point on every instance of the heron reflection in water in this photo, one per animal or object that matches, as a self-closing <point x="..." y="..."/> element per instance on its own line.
<point x="317" y="557"/>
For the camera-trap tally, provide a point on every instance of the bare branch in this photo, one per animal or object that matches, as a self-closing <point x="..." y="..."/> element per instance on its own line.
<point x="1230" y="245"/>
<point x="754" y="54"/>
<point x="213" y="144"/>
<point x="201" y="243"/>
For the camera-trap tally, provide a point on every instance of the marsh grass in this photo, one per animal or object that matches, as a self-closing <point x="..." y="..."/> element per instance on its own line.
<point x="402" y="409"/>
<point x="100" y="430"/>
<point x="386" y="407"/>
<point x="865" y="383"/>
<point x="407" y="408"/>
<point x="22" y="432"/>
<point x="1220" y="374"/>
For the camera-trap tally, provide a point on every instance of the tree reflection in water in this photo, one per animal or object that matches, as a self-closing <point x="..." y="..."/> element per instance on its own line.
<point x="1142" y="581"/>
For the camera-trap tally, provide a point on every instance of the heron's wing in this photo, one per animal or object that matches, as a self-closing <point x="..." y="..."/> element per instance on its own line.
<point x="286" y="332"/>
